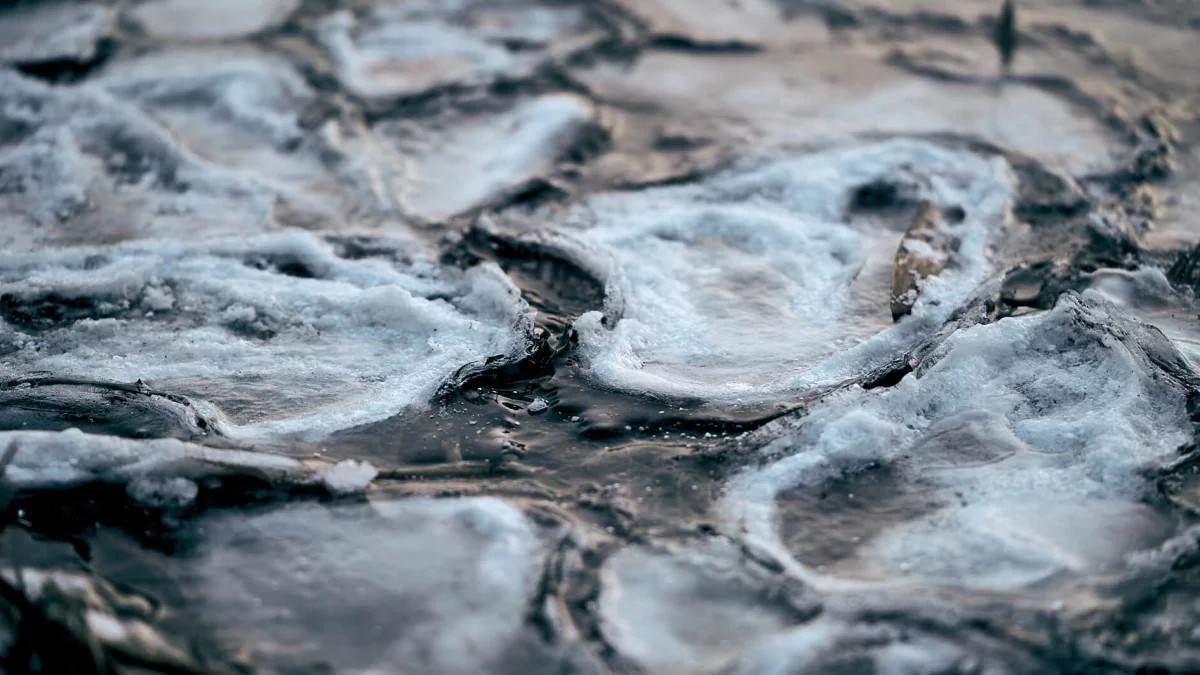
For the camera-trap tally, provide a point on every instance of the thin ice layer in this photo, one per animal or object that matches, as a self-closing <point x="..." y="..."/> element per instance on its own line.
<point x="465" y="164"/>
<point x="1148" y="295"/>
<point x="284" y="335"/>
<point x="413" y="586"/>
<point x="407" y="48"/>
<point x="692" y="609"/>
<point x="53" y="31"/>
<point x="210" y="19"/>
<point x="78" y="165"/>
<point x="63" y="459"/>
<point x="759" y="282"/>
<point x="241" y="108"/>
<point x="1032" y="432"/>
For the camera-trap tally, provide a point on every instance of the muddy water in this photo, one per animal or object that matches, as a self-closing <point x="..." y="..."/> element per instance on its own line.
<point x="522" y="337"/>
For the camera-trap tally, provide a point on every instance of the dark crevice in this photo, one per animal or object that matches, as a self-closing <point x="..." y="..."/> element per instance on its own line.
<point x="70" y="71"/>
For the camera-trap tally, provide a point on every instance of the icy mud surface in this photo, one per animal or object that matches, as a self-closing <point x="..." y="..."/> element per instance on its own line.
<point x="550" y="336"/>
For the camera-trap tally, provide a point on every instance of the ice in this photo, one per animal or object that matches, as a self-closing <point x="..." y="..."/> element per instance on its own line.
<point x="241" y="108"/>
<point x="286" y="336"/>
<point x="78" y="165"/>
<point x="160" y="493"/>
<point x="722" y="23"/>
<point x="157" y="472"/>
<point x="833" y="645"/>
<point x="1033" y="433"/>
<point x="210" y="19"/>
<point x="53" y="31"/>
<point x="689" y="610"/>
<point x="757" y="283"/>
<point x="460" y="165"/>
<point x="348" y="477"/>
<point x="413" y="586"/>
<point x="407" y="48"/>
<point x="1147" y="294"/>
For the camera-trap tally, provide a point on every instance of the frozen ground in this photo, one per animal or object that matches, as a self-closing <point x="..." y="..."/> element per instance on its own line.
<point x="552" y="336"/>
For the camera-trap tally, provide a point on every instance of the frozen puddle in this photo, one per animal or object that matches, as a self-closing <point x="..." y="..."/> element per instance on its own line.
<point x="764" y="281"/>
<point x="407" y="48"/>
<point x="458" y="165"/>
<point x="413" y="586"/>
<point x="284" y="335"/>
<point x="1027" y="439"/>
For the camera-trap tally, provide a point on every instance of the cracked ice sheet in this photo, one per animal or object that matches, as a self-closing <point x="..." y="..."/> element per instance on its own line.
<point x="412" y="586"/>
<point x="357" y="342"/>
<point x="407" y="48"/>
<point x="1032" y="433"/>
<point x="460" y="165"/>
<point x="755" y="284"/>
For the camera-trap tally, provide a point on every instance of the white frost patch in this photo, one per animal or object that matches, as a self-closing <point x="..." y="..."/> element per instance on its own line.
<point x="481" y="160"/>
<point x="1034" y="433"/>
<point x="348" y="477"/>
<point x="407" y="48"/>
<point x="689" y="611"/>
<point x="413" y="586"/>
<point x="211" y="19"/>
<point x="755" y="283"/>
<point x="358" y="342"/>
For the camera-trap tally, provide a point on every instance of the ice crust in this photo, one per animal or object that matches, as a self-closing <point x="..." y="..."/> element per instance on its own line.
<point x="156" y="470"/>
<point x="407" y="48"/>
<point x="756" y="283"/>
<point x="693" y="609"/>
<point x="412" y="586"/>
<point x="263" y="319"/>
<point x="53" y="31"/>
<point x="210" y="19"/>
<point x="477" y="162"/>
<point x="78" y="165"/>
<point x="1035" y="433"/>
<point x="241" y="108"/>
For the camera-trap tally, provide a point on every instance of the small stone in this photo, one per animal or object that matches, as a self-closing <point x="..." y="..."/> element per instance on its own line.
<point x="538" y="406"/>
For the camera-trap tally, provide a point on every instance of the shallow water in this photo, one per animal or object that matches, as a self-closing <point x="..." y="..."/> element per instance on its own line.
<point x="609" y="337"/>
